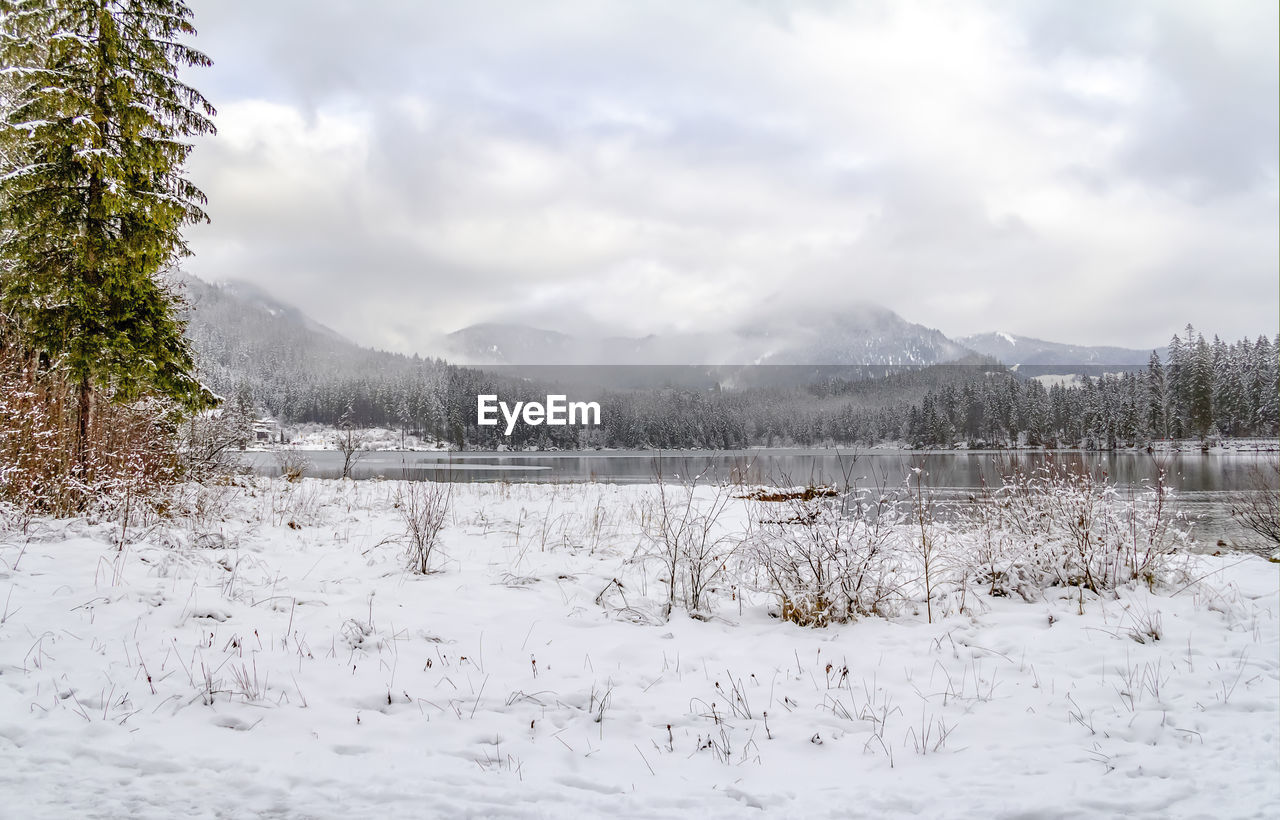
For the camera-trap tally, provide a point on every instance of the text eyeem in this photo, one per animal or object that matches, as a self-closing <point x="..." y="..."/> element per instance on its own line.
<point x="558" y="411"/>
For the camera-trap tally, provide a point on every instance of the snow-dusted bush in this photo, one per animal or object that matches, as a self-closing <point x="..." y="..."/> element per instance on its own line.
<point x="995" y="544"/>
<point x="210" y="443"/>
<point x="1258" y="506"/>
<point x="832" y="555"/>
<point x="127" y="461"/>
<point x="1059" y="527"/>
<point x="941" y="572"/>
<point x="294" y="504"/>
<point x="684" y="534"/>
<point x="351" y="444"/>
<point x="424" y="507"/>
<point x="13" y="518"/>
<point x="828" y="555"/>
<point x="293" y="464"/>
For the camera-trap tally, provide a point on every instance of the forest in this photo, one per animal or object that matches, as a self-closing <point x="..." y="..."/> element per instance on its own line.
<point x="1202" y="389"/>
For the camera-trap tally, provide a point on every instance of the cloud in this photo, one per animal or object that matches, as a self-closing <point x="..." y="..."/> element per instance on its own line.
<point x="407" y="169"/>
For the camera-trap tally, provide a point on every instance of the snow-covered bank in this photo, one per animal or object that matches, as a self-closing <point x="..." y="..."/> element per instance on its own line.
<point x="270" y="655"/>
<point x="312" y="436"/>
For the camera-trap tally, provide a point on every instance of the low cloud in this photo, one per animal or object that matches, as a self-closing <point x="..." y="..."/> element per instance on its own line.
<point x="408" y="169"/>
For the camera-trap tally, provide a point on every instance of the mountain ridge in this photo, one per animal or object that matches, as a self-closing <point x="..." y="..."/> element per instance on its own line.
<point x="868" y="335"/>
<point x="243" y="336"/>
<point x="1026" y="351"/>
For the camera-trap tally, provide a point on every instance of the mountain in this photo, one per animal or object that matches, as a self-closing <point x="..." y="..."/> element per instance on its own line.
<point x="249" y="303"/>
<point x="510" y="344"/>
<point x="240" y="333"/>
<point x="1026" y="353"/>
<point x="514" y="344"/>
<point x="864" y="336"/>
<point x="247" y="341"/>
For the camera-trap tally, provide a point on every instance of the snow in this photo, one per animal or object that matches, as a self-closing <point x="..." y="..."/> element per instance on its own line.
<point x="313" y="436"/>
<point x="277" y="659"/>
<point x="1050" y="380"/>
<point x="1012" y="341"/>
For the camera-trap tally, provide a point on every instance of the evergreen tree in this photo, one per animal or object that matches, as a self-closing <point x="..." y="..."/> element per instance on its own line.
<point x="1200" y="389"/>
<point x="1157" y="399"/>
<point x="1229" y="398"/>
<point x="94" y="200"/>
<point x="1264" y="387"/>
<point x="1176" y="378"/>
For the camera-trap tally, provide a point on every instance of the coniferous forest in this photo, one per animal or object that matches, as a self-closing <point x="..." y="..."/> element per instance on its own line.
<point x="299" y="372"/>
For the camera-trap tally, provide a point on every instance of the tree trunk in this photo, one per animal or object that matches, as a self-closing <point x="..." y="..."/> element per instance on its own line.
<point x="83" y="413"/>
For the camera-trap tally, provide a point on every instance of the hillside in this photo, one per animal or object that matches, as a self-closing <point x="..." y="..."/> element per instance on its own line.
<point x="1026" y="352"/>
<point x="293" y="367"/>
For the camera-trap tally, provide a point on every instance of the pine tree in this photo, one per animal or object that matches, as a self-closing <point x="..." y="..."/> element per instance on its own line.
<point x="1200" y="389"/>
<point x="1263" y="387"/>
<point x="1157" y="399"/>
<point x="1225" y="401"/>
<point x="94" y="198"/>
<point x="1177" y="378"/>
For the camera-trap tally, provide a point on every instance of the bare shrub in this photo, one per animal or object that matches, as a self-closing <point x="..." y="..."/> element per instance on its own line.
<point x="1258" y="506"/>
<point x="209" y="443"/>
<point x="295" y="505"/>
<point x="125" y="466"/>
<point x="796" y="548"/>
<point x="1062" y="527"/>
<point x="424" y="506"/>
<point x="351" y="444"/>
<point x="1150" y="531"/>
<point x="995" y="543"/>
<point x="683" y="530"/>
<point x="927" y="540"/>
<point x="293" y="464"/>
<point x="828" y="554"/>
<point x="14" y="519"/>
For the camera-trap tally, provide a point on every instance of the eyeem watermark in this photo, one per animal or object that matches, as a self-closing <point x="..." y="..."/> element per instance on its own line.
<point x="557" y="412"/>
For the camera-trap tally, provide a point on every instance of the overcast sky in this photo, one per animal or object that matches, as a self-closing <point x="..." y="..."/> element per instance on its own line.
<point x="1089" y="172"/>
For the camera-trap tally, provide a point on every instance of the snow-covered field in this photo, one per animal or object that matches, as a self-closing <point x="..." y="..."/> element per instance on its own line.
<point x="269" y="655"/>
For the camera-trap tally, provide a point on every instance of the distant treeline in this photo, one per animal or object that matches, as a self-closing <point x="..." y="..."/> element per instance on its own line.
<point x="1202" y="389"/>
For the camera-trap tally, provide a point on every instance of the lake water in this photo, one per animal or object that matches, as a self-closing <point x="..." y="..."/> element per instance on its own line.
<point x="1185" y="471"/>
<point x="1201" y="480"/>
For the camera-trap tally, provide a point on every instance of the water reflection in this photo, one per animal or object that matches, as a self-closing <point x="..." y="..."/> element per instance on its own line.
<point x="1187" y="471"/>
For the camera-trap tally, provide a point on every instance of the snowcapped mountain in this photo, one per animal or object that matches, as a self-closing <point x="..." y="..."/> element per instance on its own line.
<point x="864" y="336"/>
<point x="1023" y="352"/>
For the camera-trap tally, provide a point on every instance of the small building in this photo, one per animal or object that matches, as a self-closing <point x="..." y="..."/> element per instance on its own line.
<point x="266" y="429"/>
